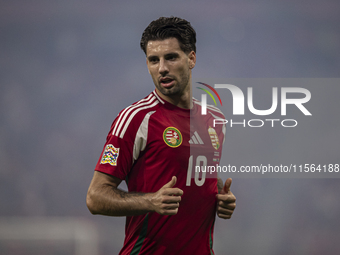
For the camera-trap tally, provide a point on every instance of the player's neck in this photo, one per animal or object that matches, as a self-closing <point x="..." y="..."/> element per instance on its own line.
<point x="184" y="100"/>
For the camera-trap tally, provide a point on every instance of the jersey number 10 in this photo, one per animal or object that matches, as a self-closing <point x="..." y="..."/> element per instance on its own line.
<point x="200" y="161"/>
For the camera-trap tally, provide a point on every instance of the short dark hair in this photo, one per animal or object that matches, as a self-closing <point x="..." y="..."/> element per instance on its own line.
<point x="164" y="28"/>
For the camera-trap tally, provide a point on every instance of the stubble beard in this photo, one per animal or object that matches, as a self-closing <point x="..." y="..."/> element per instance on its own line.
<point x="177" y="90"/>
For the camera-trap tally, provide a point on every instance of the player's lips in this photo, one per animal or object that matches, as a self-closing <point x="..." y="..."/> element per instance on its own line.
<point x="166" y="82"/>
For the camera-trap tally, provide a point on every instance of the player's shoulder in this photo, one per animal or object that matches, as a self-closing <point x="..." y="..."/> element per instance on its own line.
<point x="133" y="115"/>
<point x="212" y="110"/>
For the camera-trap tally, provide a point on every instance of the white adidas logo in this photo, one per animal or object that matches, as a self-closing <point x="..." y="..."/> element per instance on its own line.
<point x="196" y="139"/>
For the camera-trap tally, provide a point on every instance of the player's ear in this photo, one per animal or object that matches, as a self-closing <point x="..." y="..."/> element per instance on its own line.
<point x="192" y="59"/>
<point x="147" y="64"/>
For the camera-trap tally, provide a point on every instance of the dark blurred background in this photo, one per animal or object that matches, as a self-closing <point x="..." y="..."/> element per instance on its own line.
<point x="69" y="67"/>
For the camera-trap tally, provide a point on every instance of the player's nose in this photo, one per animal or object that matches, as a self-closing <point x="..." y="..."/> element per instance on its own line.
<point x="163" y="68"/>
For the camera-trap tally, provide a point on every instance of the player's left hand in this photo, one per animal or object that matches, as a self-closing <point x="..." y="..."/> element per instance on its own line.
<point x="226" y="201"/>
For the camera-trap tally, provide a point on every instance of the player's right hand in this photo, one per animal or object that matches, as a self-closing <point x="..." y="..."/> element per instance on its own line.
<point x="166" y="200"/>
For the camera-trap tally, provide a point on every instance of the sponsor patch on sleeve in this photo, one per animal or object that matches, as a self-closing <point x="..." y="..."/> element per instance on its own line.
<point x="110" y="155"/>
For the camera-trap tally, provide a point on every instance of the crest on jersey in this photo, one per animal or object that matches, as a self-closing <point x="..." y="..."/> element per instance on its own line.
<point x="214" y="138"/>
<point x="172" y="137"/>
<point x="110" y="155"/>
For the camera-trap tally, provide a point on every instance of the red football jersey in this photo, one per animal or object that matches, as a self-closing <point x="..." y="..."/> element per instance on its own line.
<point x="151" y="141"/>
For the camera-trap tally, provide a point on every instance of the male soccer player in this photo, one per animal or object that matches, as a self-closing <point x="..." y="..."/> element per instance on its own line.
<point x="155" y="145"/>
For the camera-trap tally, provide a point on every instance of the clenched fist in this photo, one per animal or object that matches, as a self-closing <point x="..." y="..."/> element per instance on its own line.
<point x="226" y="201"/>
<point x="166" y="200"/>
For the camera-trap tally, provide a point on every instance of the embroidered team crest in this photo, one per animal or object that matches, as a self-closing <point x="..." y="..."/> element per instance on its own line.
<point x="214" y="138"/>
<point x="110" y="155"/>
<point x="172" y="137"/>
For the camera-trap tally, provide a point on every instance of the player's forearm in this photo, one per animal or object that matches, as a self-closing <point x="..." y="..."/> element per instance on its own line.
<point x="108" y="200"/>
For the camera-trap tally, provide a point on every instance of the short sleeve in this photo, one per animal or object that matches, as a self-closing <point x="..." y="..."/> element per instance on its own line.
<point x="117" y="155"/>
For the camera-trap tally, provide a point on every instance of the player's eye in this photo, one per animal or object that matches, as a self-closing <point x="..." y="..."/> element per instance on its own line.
<point x="171" y="57"/>
<point x="153" y="60"/>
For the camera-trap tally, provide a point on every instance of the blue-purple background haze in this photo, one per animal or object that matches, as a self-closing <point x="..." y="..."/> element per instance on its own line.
<point x="69" y="67"/>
